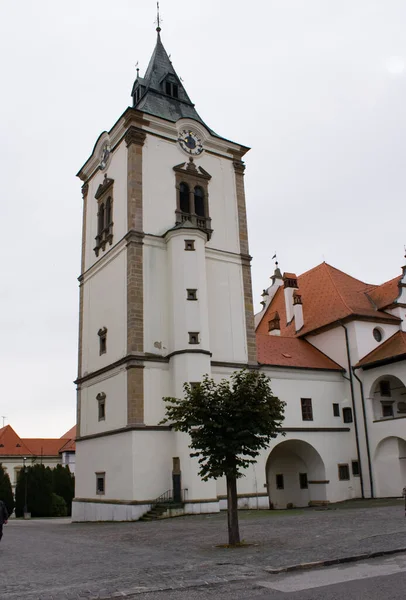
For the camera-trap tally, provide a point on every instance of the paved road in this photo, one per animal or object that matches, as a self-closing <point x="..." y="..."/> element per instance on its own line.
<point x="53" y="559"/>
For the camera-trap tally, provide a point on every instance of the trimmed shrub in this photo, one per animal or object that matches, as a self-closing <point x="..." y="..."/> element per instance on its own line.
<point x="63" y="484"/>
<point x="6" y="491"/>
<point x="58" y="506"/>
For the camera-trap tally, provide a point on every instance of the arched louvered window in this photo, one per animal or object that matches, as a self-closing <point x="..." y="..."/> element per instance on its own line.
<point x="108" y="213"/>
<point x="100" y="221"/>
<point x="184" y="198"/>
<point x="199" y="201"/>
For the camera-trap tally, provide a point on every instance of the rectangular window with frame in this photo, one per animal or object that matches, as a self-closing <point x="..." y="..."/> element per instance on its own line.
<point x="102" y="333"/>
<point x="347" y="414"/>
<point x="336" y="410"/>
<point x="189" y="245"/>
<point x="303" y="481"/>
<point x="191" y="294"/>
<point x="387" y="410"/>
<point x="101" y="407"/>
<point x="100" y="483"/>
<point x="280" y="484"/>
<point x="307" y="409"/>
<point x="355" y="468"/>
<point x="343" y="472"/>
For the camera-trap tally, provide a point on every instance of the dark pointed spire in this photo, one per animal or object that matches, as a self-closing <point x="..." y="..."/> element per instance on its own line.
<point x="161" y="92"/>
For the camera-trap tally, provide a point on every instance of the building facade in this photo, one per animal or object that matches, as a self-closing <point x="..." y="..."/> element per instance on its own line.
<point x="165" y="298"/>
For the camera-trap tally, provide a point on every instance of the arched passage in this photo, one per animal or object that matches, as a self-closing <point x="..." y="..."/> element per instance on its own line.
<point x="295" y="474"/>
<point x="390" y="467"/>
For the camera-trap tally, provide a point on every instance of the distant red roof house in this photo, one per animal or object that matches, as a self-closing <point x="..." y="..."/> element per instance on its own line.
<point x="12" y="445"/>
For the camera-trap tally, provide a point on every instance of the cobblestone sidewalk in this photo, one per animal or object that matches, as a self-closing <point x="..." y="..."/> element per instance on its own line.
<point x="56" y="560"/>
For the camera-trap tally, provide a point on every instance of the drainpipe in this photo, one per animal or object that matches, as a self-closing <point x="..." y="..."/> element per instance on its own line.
<point x="366" y="431"/>
<point x="354" y="409"/>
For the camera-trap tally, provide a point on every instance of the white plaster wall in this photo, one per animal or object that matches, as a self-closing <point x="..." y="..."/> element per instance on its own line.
<point x="400" y="312"/>
<point x="159" y="193"/>
<point x="332" y="343"/>
<point x="114" y="385"/>
<point x="157" y="384"/>
<point x="116" y="170"/>
<point x="113" y="455"/>
<point x="105" y="305"/>
<point x="390" y="467"/>
<point x="93" y="511"/>
<point x="226" y="308"/>
<point x="187" y="269"/>
<point x="152" y="465"/>
<point x="362" y="340"/>
<point x="157" y="297"/>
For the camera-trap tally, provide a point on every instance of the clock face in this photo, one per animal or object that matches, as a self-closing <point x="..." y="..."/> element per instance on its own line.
<point x="104" y="155"/>
<point x="190" y="142"/>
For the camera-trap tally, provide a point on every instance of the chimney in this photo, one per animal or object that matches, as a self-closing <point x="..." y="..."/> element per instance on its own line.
<point x="298" y="310"/>
<point x="274" y="324"/>
<point x="290" y="285"/>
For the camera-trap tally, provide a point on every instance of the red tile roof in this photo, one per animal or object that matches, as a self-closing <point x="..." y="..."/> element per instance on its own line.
<point x="12" y="445"/>
<point x="386" y="294"/>
<point x="328" y="295"/>
<point x="393" y="347"/>
<point x="292" y="352"/>
<point x="71" y="434"/>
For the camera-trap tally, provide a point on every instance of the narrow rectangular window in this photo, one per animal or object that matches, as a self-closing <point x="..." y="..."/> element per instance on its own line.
<point x="101" y="399"/>
<point x="387" y="410"/>
<point x="303" y="481"/>
<point x="280" y="484"/>
<point x="355" y="468"/>
<point x="189" y="245"/>
<point x="191" y="294"/>
<point x="174" y="90"/>
<point x="168" y="88"/>
<point x="307" y="409"/>
<point x="343" y="472"/>
<point x="102" y="333"/>
<point x="100" y="483"/>
<point x="336" y="410"/>
<point x="193" y="337"/>
<point x="347" y="415"/>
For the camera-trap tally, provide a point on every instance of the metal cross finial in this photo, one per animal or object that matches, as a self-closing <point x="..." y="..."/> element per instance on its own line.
<point x="276" y="261"/>
<point x="158" y="18"/>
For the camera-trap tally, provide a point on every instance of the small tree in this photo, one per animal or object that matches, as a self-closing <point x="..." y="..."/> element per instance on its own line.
<point x="6" y="491"/>
<point x="63" y="484"/>
<point x="228" y="423"/>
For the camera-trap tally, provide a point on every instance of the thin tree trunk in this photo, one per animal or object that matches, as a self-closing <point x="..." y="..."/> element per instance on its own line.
<point x="232" y="512"/>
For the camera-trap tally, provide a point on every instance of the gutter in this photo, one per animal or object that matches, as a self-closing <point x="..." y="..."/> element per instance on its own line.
<point x="354" y="409"/>
<point x="366" y="430"/>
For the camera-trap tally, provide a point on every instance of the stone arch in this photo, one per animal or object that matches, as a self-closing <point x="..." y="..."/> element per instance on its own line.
<point x="295" y="460"/>
<point x="390" y="467"/>
<point x="388" y="396"/>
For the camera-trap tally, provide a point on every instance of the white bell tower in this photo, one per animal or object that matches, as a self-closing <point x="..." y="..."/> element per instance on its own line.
<point x="165" y="295"/>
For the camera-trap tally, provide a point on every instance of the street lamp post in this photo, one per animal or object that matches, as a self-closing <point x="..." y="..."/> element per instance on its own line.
<point x="25" y="487"/>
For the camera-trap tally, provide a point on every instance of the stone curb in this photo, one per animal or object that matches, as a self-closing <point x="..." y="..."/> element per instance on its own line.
<point x="333" y="561"/>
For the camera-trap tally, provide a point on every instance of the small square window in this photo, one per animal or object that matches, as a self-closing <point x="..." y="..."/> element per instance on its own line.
<point x="191" y="294"/>
<point x="100" y="483"/>
<point x="307" y="409"/>
<point x="343" y="472"/>
<point x="193" y="337"/>
<point x="336" y="410"/>
<point x="384" y="388"/>
<point x="102" y="333"/>
<point x="387" y="410"/>
<point x="355" y="468"/>
<point x="189" y="245"/>
<point x="280" y="484"/>
<point x="303" y="481"/>
<point x="347" y="415"/>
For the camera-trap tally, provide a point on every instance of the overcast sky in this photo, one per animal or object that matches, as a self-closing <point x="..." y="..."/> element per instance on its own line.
<point x="317" y="89"/>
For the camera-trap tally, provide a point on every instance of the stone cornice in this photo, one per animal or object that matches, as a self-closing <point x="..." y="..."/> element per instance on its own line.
<point x="103" y="187"/>
<point x="135" y="135"/>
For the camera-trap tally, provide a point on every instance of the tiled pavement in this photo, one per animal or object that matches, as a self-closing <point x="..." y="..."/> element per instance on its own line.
<point x="57" y="560"/>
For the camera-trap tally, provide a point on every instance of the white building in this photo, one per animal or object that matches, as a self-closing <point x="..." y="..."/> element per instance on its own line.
<point x="165" y="298"/>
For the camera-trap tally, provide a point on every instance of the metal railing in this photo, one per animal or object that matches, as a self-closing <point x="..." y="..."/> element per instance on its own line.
<point x="167" y="497"/>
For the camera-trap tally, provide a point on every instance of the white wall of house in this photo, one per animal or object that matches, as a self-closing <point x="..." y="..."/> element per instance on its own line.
<point x="114" y="385"/>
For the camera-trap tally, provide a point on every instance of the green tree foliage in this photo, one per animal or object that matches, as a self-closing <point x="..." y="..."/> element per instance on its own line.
<point x="63" y="484"/>
<point x="39" y="491"/>
<point x="58" y="506"/>
<point x="229" y="423"/>
<point x="6" y="491"/>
